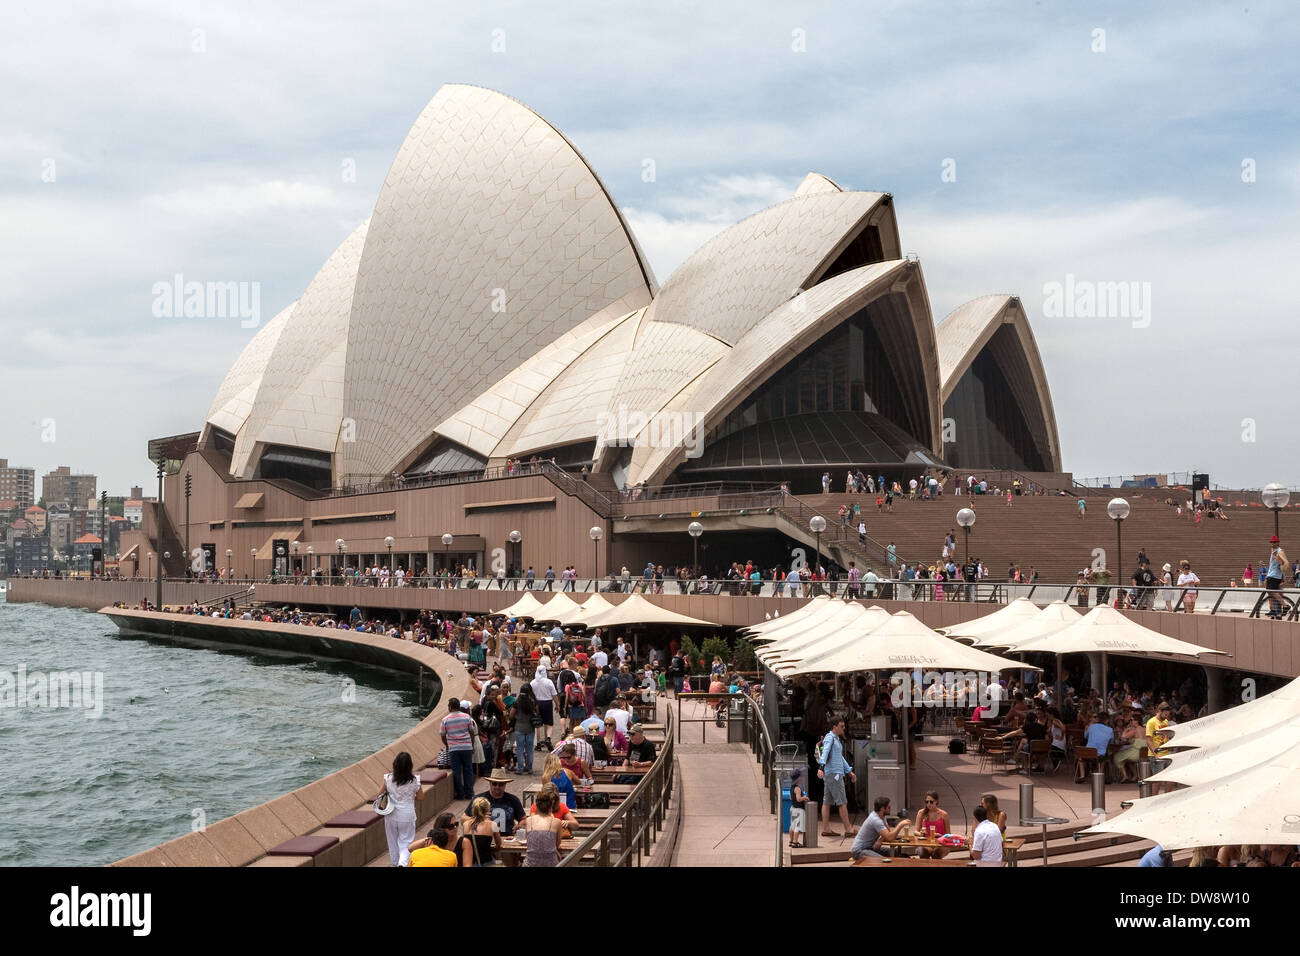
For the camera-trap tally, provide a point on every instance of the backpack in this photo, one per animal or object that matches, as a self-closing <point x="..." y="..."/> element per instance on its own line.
<point x="573" y="695"/>
<point x="605" y="689"/>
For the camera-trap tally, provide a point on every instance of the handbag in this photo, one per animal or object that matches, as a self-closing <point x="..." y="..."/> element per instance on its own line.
<point x="443" y="760"/>
<point x="479" y="754"/>
<point x="535" y="720"/>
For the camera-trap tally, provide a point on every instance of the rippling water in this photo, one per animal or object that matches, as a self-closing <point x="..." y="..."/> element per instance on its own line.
<point x="187" y="734"/>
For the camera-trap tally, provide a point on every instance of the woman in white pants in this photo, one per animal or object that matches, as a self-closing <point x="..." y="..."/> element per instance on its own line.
<point x="403" y="788"/>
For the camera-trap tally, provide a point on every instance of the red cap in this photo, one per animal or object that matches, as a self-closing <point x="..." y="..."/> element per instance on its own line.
<point x="1273" y="540"/>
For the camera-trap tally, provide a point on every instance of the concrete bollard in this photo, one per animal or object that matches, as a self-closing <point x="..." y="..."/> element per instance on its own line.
<point x="1026" y="802"/>
<point x="1098" y="780"/>
<point x="813" y="828"/>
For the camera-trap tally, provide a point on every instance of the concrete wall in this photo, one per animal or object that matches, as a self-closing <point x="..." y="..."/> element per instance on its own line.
<point x="244" y="838"/>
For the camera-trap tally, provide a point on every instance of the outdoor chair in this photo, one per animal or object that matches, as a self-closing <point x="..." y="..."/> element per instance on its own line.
<point x="1039" y="751"/>
<point x="996" y="751"/>
<point x="1088" y="757"/>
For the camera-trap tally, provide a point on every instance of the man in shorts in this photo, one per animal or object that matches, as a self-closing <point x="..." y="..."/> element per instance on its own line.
<point x="1278" y="565"/>
<point x="834" y="770"/>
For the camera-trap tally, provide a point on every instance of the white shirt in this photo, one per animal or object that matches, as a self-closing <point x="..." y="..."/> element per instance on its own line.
<point x="545" y="661"/>
<point x="988" y="843"/>
<point x="543" y="689"/>
<point x="620" y="717"/>
<point x="621" y="651"/>
<point x="600" y="659"/>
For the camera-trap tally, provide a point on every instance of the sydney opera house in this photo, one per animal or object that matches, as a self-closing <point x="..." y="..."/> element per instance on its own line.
<point x="496" y="307"/>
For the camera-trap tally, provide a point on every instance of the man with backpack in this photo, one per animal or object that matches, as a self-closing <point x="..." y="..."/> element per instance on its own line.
<point x="606" y="690"/>
<point x="570" y="691"/>
<point x="677" y="672"/>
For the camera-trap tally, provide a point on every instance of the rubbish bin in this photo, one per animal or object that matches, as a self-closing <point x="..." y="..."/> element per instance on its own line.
<point x="785" y="810"/>
<point x="812" y="828"/>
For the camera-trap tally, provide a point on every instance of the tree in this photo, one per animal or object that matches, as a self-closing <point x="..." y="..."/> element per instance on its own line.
<point x="746" y="659"/>
<point x="715" y="646"/>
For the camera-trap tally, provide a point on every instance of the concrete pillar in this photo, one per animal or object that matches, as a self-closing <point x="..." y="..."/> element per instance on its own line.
<point x="1214" y="689"/>
<point x="1096" y="673"/>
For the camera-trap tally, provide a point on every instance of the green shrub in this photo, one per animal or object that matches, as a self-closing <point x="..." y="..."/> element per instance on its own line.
<point x="718" y="646"/>
<point x="746" y="660"/>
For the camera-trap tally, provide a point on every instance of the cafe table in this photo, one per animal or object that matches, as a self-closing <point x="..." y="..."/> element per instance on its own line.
<point x="618" y="792"/>
<point x="1010" y="846"/>
<point x="512" y="850"/>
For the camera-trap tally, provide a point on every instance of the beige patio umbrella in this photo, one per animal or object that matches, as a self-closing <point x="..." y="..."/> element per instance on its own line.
<point x="1017" y="612"/>
<point x="759" y="631"/>
<point x="1055" y="617"/>
<point x="849" y="626"/>
<point x="558" y="608"/>
<point x="637" y="610"/>
<point x="527" y="606"/>
<point x="1250" y="718"/>
<point x="1257" y="805"/>
<point x="902" y="643"/>
<point x="1103" y="630"/>
<point x="1106" y="629"/>
<point x="589" y="608"/>
<point x="1192" y="767"/>
<point x="803" y="633"/>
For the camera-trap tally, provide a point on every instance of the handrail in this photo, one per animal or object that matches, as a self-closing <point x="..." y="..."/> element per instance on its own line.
<point x="643" y="809"/>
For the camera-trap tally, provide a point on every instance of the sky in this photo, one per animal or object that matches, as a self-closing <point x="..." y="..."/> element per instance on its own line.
<point x="1030" y="147"/>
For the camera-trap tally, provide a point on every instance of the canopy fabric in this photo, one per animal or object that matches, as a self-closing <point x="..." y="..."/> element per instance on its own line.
<point x="1192" y="767"/>
<point x="637" y="610"/>
<point x="903" y="643"/>
<point x="828" y="645"/>
<point x="1253" y="806"/>
<point x="1106" y="629"/>
<point x="558" y="608"/>
<point x="1251" y="718"/>
<point x="589" y="608"/>
<point x="526" y="606"/>
<point x="1055" y="617"/>
<point x="759" y="631"/>
<point x="1017" y="612"/>
<point x="801" y="636"/>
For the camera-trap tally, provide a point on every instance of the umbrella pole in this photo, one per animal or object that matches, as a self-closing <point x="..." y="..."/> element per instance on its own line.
<point x="1059" y="682"/>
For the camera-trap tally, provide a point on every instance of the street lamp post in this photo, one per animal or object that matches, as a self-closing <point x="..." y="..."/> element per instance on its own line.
<point x="966" y="518"/>
<point x="817" y="524"/>
<point x="1118" y="509"/>
<point x="388" y="543"/>
<point x="596" y="533"/>
<point x="252" y="555"/>
<point x="447" y="539"/>
<point x="230" y="574"/>
<point x="188" y="479"/>
<point x="295" y="548"/>
<point x="311" y="559"/>
<point x="342" y="547"/>
<point x="514" y="537"/>
<point x="162" y="465"/>
<point x="695" y="529"/>
<point x="1275" y="498"/>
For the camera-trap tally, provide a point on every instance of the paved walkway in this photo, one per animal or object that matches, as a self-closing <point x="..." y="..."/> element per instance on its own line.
<point x="724" y="802"/>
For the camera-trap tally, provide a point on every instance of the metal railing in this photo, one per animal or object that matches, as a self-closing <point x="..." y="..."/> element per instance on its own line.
<point x="630" y="831"/>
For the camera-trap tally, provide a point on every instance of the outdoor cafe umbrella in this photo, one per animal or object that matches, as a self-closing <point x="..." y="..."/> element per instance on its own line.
<point x="1055" y="617"/>
<point x="1104" y="629"/>
<point x="851" y="625"/>
<point x="1250" y="718"/>
<point x="589" y="608"/>
<point x="637" y="610"/>
<point x="835" y="626"/>
<point x="1260" y="805"/>
<point x="1017" y="612"/>
<point x="558" y="608"/>
<point x="901" y="643"/>
<point x="1192" y="767"/>
<point x="527" y="606"/>
<point x="801" y="634"/>
<point x="759" y="631"/>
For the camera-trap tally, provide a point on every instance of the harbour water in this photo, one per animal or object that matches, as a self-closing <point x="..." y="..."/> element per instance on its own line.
<point x="152" y="739"/>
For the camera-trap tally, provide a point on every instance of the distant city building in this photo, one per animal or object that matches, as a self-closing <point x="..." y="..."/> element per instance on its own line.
<point x="59" y="531"/>
<point x="62" y="485"/>
<point x="133" y="510"/>
<point x="30" y="555"/>
<point x="18" y="484"/>
<point x="84" y="550"/>
<point x="36" y="517"/>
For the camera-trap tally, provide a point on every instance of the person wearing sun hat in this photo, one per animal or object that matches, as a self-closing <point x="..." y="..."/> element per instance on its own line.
<point x="505" y="808"/>
<point x="1278" y="567"/>
<point x="1167" y="593"/>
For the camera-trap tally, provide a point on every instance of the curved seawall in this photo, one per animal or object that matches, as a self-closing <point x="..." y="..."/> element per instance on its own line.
<point x="247" y="836"/>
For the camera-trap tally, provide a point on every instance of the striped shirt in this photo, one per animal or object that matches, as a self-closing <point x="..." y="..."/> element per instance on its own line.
<point x="459" y="729"/>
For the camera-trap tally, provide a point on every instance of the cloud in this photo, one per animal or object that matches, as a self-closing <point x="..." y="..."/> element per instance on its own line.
<point x="227" y="201"/>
